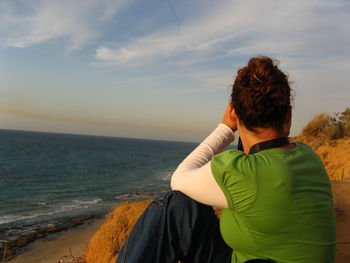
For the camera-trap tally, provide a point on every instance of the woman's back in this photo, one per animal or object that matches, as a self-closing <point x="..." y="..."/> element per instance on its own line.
<point x="280" y="205"/>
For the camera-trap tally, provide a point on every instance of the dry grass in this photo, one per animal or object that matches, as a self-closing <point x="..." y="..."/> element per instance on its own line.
<point x="318" y="126"/>
<point x="325" y="128"/>
<point x="335" y="157"/>
<point x="329" y="137"/>
<point x="319" y="130"/>
<point x="109" y="238"/>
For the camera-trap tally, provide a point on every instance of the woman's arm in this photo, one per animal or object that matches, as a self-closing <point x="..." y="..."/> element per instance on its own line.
<point x="194" y="177"/>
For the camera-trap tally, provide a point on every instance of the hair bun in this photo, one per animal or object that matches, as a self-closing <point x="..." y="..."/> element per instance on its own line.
<point x="261" y="68"/>
<point x="261" y="93"/>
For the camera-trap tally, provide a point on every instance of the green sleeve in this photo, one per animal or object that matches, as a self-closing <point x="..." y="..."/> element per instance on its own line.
<point x="233" y="172"/>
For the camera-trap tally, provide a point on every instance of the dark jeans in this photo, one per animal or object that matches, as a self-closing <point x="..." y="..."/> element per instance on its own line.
<point x="175" y="227"/>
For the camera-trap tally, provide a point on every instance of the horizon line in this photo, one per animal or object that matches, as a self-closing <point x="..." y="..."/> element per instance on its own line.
<point x="96" y="135"/>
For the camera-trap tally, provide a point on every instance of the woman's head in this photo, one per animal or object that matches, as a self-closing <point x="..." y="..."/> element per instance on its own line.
<point x="261" y="95"/>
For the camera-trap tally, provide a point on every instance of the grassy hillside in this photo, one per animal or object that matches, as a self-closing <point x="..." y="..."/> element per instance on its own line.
<point x="329" y="136"/>
<point x="325" y="128"/>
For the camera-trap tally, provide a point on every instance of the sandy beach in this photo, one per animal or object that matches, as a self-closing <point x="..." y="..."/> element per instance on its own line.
<point x="70" y="243"/>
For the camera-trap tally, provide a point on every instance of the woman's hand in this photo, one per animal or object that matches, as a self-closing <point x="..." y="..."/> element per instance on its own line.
<point x="230" y="118"/>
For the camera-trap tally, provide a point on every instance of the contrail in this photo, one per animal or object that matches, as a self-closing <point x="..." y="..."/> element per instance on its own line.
<point x="177" y="19"/>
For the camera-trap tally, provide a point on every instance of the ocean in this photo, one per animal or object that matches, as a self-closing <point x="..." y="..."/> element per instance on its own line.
<point x="55" y="181"/>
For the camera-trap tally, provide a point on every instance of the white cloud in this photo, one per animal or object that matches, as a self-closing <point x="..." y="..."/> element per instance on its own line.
<point x="75" y="21"/>
<point x="285" y="29"/>
<point x="122" y="55"/>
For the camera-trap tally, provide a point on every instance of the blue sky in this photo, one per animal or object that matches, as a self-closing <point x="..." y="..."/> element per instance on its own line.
<point x="162" y="69"/>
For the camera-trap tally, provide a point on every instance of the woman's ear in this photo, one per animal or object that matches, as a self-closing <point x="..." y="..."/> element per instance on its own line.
<point x="229" y="117"/>
<point x="233" y="114"/>
<point x="234" y="117"/>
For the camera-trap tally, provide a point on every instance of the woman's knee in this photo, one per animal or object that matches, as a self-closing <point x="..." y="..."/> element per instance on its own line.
<point x="165" y="198"/>
<point x="173" y="199"/>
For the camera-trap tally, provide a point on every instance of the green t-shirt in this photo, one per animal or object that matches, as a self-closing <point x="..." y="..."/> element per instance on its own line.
<point x="279" y="205"/>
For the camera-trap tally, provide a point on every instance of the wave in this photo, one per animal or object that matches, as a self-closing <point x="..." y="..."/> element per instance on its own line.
<point x="75" y="205"/>
<point x="167" y="177"/>
<point x="123" y="196"/>
<point x="88" y="202"/>
<point x="12" y="218"/>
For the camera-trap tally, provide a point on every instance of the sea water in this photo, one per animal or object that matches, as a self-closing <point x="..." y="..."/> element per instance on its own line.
<point x="48" y="179"/>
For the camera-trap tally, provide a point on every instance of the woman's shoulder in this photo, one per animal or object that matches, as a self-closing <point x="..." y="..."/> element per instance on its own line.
<point x="233" y="161"/>
<point x="237" y="160"/>
<point x="230" y="156"/>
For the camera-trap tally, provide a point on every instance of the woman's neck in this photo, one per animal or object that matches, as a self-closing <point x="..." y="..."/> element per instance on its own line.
<point x="262" y="134"/>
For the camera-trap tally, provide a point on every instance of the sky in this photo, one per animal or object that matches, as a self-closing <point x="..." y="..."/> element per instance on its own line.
<point x="162" y="69"/>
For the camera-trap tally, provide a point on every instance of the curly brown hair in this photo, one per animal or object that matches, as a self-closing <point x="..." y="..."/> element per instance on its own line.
<point x="261" y="95"/>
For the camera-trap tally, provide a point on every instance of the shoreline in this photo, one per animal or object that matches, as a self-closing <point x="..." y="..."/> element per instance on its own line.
<point x="22" y="243"/>
<point x="71" y="242"/>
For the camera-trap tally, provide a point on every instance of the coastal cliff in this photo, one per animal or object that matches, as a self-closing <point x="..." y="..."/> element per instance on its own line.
<point x="109" y="238"/>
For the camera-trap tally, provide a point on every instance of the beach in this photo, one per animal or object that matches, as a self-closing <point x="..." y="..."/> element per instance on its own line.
<point x="69" y="243"/>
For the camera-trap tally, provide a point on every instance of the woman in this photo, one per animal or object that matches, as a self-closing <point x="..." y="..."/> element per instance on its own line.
<point x="275" y="194"/>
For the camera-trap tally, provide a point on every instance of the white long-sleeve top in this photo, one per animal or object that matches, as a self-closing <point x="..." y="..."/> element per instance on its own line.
<point x="194" y="177"/>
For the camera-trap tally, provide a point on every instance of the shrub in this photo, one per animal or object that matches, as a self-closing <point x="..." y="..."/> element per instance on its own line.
<point x="325" y="127"/>
<point x="316" y="125"/>
<point x="344" y="119"/>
